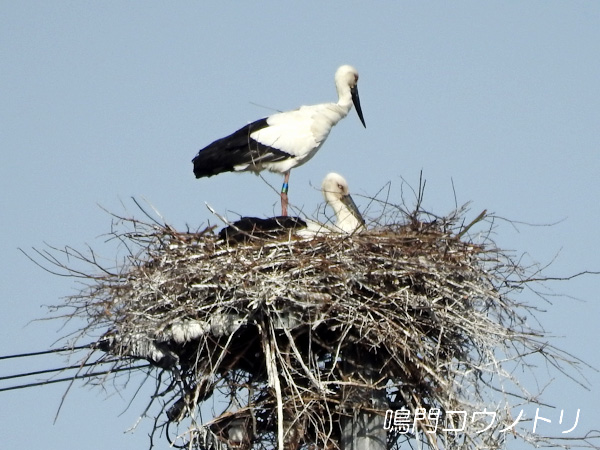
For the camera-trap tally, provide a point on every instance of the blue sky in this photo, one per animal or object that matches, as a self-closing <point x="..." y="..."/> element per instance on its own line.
<point x="101" y="101"/>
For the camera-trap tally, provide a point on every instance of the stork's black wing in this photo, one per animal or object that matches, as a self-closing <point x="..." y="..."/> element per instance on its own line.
<point x="271" y="228"/>
<point x="236" y="149"/>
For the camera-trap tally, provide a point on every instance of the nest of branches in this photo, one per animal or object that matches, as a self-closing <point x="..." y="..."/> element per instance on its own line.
<point x="304" y="337"/>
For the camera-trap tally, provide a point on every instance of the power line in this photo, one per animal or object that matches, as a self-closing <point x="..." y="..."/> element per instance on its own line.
<point x="45" y="352"/>
<point x="76" y="377"/>
<point x="41" y="372"/>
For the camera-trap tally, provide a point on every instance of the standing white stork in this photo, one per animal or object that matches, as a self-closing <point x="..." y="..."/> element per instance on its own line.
<point x="281" y="141"/>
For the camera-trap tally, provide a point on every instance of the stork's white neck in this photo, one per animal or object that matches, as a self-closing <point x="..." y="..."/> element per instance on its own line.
<point x="345" y="220"/>
<point x="344" y="98"/>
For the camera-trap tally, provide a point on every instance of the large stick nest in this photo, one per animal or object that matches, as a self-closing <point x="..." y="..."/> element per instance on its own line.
<point x="301" y="335"/>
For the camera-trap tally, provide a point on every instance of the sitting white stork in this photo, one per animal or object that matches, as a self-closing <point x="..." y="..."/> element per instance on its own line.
<point x="337" y="195"/>
<point x="281" y="141"/>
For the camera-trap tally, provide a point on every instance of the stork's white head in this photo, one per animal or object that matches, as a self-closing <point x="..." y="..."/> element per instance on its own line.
<point x="346" y="80"/>
<point x="337" y="195"/>
<point x="347" y="75"/>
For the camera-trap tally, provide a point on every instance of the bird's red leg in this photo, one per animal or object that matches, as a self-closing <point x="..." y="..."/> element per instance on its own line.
<point x="284" y="195"/>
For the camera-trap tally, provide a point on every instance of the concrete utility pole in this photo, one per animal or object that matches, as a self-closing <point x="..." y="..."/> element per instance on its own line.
<point x="364" y="430"/>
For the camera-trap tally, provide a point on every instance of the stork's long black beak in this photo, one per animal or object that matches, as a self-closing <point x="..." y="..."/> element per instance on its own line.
<point x="349" y="202"/>
<point x="356" y="101"/>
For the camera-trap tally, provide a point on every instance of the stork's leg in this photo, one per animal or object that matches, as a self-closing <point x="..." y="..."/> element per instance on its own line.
<point x="284" y="195"/>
